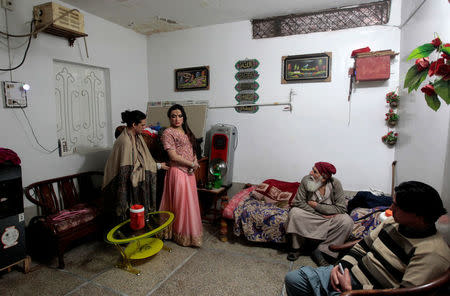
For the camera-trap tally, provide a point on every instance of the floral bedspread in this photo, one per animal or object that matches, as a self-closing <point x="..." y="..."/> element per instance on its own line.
<point x="366" y="219"/>
<point x="259" y="221"/>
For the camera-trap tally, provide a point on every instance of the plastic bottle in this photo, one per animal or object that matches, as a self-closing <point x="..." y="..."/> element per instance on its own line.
<point x="385" y="215"/>
<point x="217" y="179"/>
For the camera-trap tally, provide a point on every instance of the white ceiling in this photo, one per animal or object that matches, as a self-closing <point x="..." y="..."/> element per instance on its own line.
<point x="154" y="16"/>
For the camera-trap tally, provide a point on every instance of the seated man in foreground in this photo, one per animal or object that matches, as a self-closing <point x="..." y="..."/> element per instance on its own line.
<point x="404" y="251"/>
<point x="318" y="214"/>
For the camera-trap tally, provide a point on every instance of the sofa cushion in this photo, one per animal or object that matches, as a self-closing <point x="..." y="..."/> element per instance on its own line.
<point x="71" y="218"/>
<point x="275" y="191"/>
<point x="235" y="200"/>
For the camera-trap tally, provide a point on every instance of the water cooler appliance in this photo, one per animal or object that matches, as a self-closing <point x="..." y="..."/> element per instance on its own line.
<point x="12" y="219"/>
<point x="223" y="143"/>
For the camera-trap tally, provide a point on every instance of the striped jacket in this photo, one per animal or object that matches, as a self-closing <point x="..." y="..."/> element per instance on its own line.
<point x="386" y="258"/>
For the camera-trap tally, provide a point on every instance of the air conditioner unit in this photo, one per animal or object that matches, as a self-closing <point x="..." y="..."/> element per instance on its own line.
<point x="70" y="26"/>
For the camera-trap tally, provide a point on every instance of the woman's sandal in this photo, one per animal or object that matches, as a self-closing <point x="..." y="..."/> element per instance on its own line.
<point x="293" y="255"/>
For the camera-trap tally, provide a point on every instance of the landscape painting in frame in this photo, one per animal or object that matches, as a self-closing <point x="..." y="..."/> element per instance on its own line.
<point x="310" y="67"/>
<point x="196" y="78"/>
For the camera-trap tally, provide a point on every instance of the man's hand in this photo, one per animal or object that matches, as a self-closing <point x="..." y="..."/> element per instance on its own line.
<point x="340" y="282"/>
<point x="164" y="166"/>
<point x="313" y="204"/>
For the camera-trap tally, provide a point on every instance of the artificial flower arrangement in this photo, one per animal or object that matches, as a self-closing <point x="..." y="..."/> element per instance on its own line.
<point x="392" y="99"/>
<point x="390" y="138"/>
<point x="391" y="117"/>
<point x="439" y="68"/>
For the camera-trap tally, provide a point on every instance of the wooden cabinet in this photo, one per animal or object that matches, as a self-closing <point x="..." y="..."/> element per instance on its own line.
<point x="201" y="174"/>
<point x="212" y="202"/>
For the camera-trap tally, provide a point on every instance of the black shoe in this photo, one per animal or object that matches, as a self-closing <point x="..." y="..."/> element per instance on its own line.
<point x="329" y="259"/>
<point x="293" y="254"/>
<point x="318" y="258"/>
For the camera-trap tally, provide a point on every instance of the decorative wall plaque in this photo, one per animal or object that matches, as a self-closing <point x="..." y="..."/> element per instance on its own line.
<point x="307" y="67"/>
<point x="247" y="75"/>
<point x="246" y="86"/>
<point x="249" y="97"/>
<point x="246" y="109"/>
<point x="246" y="64"/>
<point x="241" y="86"/>
<point x="196" y="78"/>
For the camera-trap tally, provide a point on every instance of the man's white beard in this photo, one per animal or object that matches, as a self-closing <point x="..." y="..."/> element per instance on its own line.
<point x="313" y="185"/>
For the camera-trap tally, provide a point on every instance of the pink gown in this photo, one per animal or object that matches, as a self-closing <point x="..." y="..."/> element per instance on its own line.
<point x="180" y="193"/>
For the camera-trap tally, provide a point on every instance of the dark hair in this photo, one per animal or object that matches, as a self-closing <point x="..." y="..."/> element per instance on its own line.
<point x="420" y="199"/>
<point x="185" y="125"/>
<point x="130" y="117"/>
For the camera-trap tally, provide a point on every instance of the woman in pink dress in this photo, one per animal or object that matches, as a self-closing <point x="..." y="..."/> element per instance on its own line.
<point x="180" y="189"/>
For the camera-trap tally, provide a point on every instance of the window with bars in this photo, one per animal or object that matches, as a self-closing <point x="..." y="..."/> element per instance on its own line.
<point x="375" y="13"/>
<point x="82" y="107"/>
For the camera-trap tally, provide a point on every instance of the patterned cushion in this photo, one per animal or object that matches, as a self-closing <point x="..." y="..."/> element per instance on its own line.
<point x="275" y="191"/>
<point x="366" y="220"/>
<point x="235" y="200"/>
<point x="71" y="218"/>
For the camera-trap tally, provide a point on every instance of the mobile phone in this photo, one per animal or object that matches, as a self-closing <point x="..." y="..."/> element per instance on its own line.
<point x="341" y="270"/>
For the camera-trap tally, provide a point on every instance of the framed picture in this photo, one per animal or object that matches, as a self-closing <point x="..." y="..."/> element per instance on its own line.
<point x="196" y="78"/>
<point x="308" y="67"/>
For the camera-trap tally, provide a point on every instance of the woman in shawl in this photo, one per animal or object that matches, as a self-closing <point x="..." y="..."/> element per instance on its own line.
<point x="180" y="189"/>
<point x="130" y="172"/>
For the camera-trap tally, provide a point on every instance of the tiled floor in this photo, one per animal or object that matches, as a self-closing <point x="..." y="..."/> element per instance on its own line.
<point x="217" y="268"/>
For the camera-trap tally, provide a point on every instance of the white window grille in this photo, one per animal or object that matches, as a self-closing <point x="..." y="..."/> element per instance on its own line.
<point x="82" y="102"/>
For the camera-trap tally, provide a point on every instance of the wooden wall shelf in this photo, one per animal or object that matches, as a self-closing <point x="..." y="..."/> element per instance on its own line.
<point x="71" y="36"/>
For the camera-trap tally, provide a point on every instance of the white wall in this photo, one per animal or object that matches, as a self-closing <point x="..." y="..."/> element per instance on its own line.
<point x="278" y="144"/>
<point x="445" y="183"/>
<point x="422" y="148"/>
<point x="120" y="50"/>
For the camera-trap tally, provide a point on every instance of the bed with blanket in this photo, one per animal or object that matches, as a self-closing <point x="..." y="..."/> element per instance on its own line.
<point x="260" y="212"/>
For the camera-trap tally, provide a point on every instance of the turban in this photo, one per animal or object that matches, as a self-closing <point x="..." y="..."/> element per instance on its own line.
<point x="325" y="168"/>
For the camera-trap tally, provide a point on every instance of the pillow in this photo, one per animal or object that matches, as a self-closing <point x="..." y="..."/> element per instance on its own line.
<point x="275" y="191"/>
<point x="235" y="200"/>
<point x="151" y="132"/>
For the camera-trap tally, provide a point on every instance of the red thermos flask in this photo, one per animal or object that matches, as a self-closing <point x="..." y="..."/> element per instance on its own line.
<point x="137" y="219"/>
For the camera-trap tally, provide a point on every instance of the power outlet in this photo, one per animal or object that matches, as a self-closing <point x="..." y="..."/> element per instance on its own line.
<point x="63" y="148"/>
<point x="8" y="4"/>
<point x="15" y="94"/>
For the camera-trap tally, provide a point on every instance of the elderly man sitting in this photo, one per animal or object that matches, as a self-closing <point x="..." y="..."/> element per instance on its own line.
<point x="404" y="251"/>
<point x="318" y="214"/>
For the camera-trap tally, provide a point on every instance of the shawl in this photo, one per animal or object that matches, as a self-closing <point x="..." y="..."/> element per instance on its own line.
<point x="337" y="197"/>
<point x="130" y="176"/>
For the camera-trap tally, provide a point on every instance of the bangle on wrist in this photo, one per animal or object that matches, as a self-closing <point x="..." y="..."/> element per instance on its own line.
<point x="193" y="164"/>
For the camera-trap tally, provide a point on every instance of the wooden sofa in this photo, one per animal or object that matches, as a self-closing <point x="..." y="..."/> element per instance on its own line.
<point x="70" y="209"/>
<point x="439" y="286"/>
